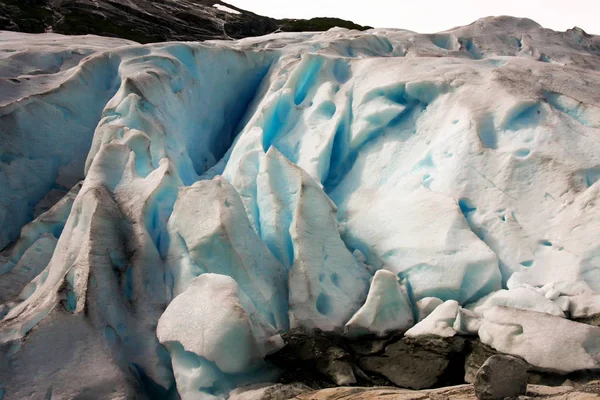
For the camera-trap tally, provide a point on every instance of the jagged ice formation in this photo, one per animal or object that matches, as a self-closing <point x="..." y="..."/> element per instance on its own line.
<point x="269" y="179"/>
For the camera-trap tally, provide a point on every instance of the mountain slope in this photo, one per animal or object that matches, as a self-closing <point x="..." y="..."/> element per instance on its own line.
<point x="147" y="21"/>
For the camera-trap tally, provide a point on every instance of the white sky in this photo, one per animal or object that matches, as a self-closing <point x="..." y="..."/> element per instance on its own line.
<point x="429" y="16"/>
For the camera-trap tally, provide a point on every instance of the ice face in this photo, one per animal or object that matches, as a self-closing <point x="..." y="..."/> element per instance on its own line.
<point x="324" y="178"/>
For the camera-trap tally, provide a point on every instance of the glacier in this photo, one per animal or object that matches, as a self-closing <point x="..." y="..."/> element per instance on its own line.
<point x="167" y="210"/>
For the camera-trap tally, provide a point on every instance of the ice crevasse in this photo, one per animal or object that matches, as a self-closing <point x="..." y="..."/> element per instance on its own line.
<point x="167" y="210"/>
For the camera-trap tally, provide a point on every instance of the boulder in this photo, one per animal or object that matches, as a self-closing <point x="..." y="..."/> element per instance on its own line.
<point x="477" y="354"/>
<point x="419" y="363"/>
<point x="501" y="376"/>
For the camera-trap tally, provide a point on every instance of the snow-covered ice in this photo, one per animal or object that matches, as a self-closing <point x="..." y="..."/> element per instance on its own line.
<point x="222" y="330"/>
<point x="426" y="305"/>
<point x="546" y="341"/>
<point x="519" y="298"/>
<point x="386" y="309"/>
<point x="317" y="177"/>
<point x="439" y="323"/>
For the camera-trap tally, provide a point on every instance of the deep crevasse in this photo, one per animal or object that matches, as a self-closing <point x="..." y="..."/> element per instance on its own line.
<point x="298" y="165"/>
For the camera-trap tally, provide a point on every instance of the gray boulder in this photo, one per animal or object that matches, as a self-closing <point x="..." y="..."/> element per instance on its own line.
<point x="501" y="376"/>
<point x="415" y="363"/>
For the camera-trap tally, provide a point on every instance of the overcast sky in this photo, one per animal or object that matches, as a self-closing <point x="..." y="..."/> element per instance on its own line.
<point x="428" y="16"/>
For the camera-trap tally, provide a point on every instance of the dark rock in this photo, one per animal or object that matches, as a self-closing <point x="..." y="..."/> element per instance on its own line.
<point x="478" y="354"/>
<point x="314" y="358"/>
<point x="419" y="363"/>
<point x="367" y="347"/>
<point x="147" y="21"/>
<point x="592" y="320"/>
<point x="337" y="365"/>
<point x="325" y="360"/>
<point x="501" y="376"/>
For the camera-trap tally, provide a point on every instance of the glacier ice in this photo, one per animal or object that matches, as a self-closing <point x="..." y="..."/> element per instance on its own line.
<point x="519" y="298"/>
<point x="222" y="334"/>
<point x="530" y="335"/>
<point x="209" y="232"/>
<point x="386" y="309"/>
<point x="315" y="176"/>
<point x="439" y="323"/>
<point x="326" y="283"/>
<point x="426" y="305"/>
<point x="467" y="322"/>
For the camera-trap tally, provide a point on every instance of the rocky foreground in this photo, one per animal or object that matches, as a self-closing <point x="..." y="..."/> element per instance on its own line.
<point x="317" y="366"/>
<point x="463" y="392"/>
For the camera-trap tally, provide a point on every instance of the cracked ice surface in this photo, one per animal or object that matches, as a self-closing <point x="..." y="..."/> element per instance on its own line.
<point x="287" y="170"/>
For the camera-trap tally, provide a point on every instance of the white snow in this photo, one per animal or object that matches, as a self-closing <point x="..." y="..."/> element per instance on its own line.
<point x="222" y="327"/>
<point x="226" y="9"/>
<point x="519" y="298"/>
<point x="543" y="340"/>
<point x="426" y="305"/>
<point x="439" y="323"/>
<point x="387" y="308"/>
<point x="467" y="322"/>
<point x="462" y="164"/>
<point x="584" y="306"/>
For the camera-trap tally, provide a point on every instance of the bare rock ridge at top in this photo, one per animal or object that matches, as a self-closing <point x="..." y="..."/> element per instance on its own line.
<point x="147" y="21"/>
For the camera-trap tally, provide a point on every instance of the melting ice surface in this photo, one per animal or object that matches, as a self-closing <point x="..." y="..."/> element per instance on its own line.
<point x="340" y="181"/>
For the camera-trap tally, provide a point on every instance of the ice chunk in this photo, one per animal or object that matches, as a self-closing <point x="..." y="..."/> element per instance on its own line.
<point x="426" y="305"/>
<point x="387" y="309"/>
<point x="210" y="232"/>
<point x="543" y="340"/>
<point x="467" y="322"/>
<point x="568" y="288"/>
<point x="196" y="377"/>
<point x="519" y="298"/>
<point x="326" y="283"/>
<point x="30" y="265"/>
<point x="552" y="294"/>
<point x="584" y="305"/>
<point x="563" y="302"/>
<point x="214" y="319"/>
<point x="439" y="323"/>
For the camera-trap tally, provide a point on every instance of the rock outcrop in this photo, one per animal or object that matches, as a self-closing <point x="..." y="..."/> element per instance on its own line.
<point x="148" y="21"/>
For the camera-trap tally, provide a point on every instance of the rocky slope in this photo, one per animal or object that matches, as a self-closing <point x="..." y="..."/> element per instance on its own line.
<point x="147" y="21"/>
